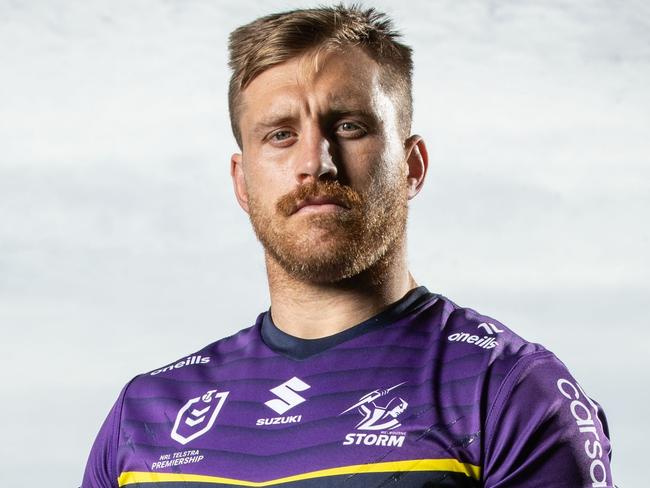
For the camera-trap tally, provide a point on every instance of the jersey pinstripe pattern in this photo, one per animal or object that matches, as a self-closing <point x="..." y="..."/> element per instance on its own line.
<point x="420" y="395"/>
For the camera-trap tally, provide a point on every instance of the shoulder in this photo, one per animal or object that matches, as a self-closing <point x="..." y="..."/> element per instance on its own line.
<point x="466" y="331"/>
<point x="542" y="425"/>
<point x="196" y="364"/>
<point x="506" y="360"/>
<point x="537" y="421"/>
<point x="154" y="394"/>
<point x="491" y="356"/>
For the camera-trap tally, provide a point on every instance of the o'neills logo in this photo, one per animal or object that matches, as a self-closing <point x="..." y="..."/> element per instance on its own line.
<point x="586" y="423"/>
<point x="485" y="342"/>
<point x="185" y="362"/>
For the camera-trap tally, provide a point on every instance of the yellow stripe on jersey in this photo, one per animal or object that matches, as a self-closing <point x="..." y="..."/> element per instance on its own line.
<point x="450" y="465"/>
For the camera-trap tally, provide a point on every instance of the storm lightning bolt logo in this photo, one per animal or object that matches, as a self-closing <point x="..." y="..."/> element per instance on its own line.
<point x="378" y="417"/>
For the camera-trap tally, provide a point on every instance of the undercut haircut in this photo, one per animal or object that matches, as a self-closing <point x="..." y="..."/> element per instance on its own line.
<point x="279" y="37"/>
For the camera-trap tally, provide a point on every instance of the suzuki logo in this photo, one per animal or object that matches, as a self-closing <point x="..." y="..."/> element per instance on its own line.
<point x="191" y="424"/>
<point x="287" y="396"/>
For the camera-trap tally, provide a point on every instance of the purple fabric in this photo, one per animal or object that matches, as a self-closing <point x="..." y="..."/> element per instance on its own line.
<point x="449" y="384"/>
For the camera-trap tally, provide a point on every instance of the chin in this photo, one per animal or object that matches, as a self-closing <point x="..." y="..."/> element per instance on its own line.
<point x="334" y="264"/>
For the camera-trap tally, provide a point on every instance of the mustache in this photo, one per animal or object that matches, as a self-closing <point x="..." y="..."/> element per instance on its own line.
<point x="344" y="195"/>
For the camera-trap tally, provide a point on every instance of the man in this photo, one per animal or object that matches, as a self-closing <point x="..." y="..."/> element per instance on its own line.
<point x="356" y="376"/>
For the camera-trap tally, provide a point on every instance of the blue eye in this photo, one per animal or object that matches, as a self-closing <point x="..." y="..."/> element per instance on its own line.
<point x="348" y="126"/>
<point x="281" y="135"/>
<point x="350" y="130"/>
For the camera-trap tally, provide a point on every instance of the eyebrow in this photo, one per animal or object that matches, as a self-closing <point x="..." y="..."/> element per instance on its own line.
<point x="272" y="121"/>
<point x="360" y="112"/>
<point x="340" y="105"/>
<point x="277" y="120"/>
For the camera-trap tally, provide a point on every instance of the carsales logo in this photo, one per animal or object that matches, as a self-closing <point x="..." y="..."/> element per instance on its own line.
<point x="587" y="426"/>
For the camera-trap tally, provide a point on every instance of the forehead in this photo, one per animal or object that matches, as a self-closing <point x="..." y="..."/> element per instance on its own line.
<point x="313" y="83"/>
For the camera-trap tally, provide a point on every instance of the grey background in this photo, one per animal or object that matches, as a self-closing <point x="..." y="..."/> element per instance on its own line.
<point x="122" y="247"/>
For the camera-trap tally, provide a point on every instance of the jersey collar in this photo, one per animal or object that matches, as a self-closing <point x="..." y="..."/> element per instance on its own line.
<point x="297" y="348"/>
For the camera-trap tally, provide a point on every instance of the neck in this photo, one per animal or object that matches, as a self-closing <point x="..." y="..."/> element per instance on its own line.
<point x="311" y="310"/>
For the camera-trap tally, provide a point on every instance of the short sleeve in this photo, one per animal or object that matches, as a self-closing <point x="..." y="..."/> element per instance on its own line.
<point x="544" y="431"/>
<point x="101" y="470"/>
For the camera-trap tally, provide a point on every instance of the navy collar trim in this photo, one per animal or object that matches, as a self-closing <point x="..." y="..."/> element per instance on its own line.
<point x="297" y="348"/>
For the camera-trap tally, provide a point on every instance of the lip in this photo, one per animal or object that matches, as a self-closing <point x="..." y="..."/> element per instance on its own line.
<point x="323" y="203"/>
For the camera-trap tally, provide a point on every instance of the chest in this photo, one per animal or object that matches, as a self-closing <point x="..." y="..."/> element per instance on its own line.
<point x="356" y="418"/>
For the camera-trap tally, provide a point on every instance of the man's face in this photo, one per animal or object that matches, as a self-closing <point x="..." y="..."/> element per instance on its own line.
<point x="322" y="173"/>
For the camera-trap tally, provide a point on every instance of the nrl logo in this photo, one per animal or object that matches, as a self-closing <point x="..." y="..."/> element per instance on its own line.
<point x="191" y="424"/>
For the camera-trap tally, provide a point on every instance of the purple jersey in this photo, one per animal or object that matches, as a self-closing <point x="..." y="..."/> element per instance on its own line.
<point x="424" y="394"/>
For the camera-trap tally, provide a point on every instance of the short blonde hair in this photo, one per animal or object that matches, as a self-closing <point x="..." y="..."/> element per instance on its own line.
<point x="276" y="38"/>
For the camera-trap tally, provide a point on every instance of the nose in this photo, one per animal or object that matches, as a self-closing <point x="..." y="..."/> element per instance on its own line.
<point x="315" y="160"/>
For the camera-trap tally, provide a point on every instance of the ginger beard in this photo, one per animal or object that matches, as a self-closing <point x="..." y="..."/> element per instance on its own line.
<point x="331" y="247"/>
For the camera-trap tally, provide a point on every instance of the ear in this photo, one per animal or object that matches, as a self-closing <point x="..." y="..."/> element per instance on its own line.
<point x="417" y="160"/>
<point x="238" y="180"/>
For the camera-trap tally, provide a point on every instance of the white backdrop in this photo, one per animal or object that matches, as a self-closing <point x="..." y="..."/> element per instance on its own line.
<point x="122" y="248"/>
